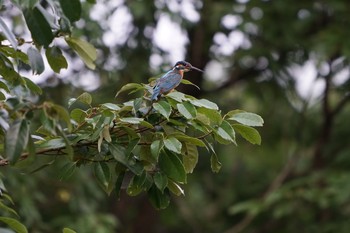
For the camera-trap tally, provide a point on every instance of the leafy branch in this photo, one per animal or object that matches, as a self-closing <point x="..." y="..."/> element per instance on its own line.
<point x="129" y="138"/>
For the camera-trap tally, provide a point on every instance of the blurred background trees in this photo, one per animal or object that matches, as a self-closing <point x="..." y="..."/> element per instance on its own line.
<point x="286" y="60"/>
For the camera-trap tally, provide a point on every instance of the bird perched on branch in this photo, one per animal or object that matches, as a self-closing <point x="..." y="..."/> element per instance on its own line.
<point x="170" y="80"/>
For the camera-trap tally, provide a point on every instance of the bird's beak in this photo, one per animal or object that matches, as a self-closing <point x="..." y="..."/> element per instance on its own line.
<point x="195" y="68"/>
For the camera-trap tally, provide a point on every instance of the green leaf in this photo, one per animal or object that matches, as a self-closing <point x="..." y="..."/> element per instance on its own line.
<point x="85" y="98"/>
<point x="102" y="174"/>
<point x="225" y="133"/>
<point x="145" y="155"/>
<point x="63" y="115"/>
<point x="42" y="166"/>
<point x="68" y="230"/>
<point x="55" y="59"/>
<point x="111" y="106"/>
<point x="50" y="18"/>
<point x="190" y="158"/>
<point x="158" y="199"/>
<point x="136" y="185"/>
<point x="8" y="209"/>
<point x="137" y="104"/>
<point x="25" y="3"/>
<point x="184" y="138"/>
<point x="187" y="82"/>
<point x="172" y="166"/>
<point x="16" y="139"/>
<point x="146" y="124"/>
<point x="4" y="86"/>
<point x="119" y="154"/>
<point x="204" y="103"/>
<point x="31" y="149"/>
<point x="119" y="182"/>
<point x="84" y="49"/>
<point x="133" y="142"/>
<point x="156" y="147"/>
<point x="163" y="108"/>
<point x="129" y="86"/>
<point x="215" y="163"/>
<point x="4" y="195"/>
<point x="14" y="224"/>
<point x="15" y="54"/>
<point x="177" y="96"/>
<point x="65" y="25"/>
<point x="36" y="61"/>
<point x="67" y="171"/>
<point x="131" y="120"/>
<point x="187" y="110"/>
<point x="173" y="145"/>
<point x="2" y="96"/>
<point x="32" y="86"/>
<point x="175" y="188"/>
<point x="248" y="133"/>
<point x="245" y="118"/>
<point x="71" y="9"/>
<point x="8" y="34"/>
<point x="209" y="116"/>
<point x="54" y="143"/>
<point x="38" y="26"/>
<point x="160" y="180"/>
<point x="78" y="115"/>
<point x="68" y="149"/>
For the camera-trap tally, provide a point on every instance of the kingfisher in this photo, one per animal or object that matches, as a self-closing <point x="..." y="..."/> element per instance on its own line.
<point x="170" y="80"/>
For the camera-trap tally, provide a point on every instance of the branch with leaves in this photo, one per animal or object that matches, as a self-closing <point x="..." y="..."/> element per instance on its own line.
<point x="157" y="148"/>
<point x="141" y="145"/>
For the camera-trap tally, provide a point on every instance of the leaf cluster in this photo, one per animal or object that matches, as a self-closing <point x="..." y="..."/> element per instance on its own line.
<point x="139" y="145"/>
<point x="45" y="23"/>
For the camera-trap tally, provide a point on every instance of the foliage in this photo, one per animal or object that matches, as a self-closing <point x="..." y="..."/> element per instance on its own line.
<point x="286" y="60"/>
<point x="138" y="145"/>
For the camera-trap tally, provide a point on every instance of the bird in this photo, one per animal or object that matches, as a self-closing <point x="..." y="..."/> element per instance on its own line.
<point x="170" y="80"/>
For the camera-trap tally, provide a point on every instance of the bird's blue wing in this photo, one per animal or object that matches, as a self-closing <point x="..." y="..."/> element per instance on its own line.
<point x="166" y="83"/>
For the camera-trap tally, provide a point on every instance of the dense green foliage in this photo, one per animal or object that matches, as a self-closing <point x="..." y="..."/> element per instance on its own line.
<point x="286" y="60"/>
